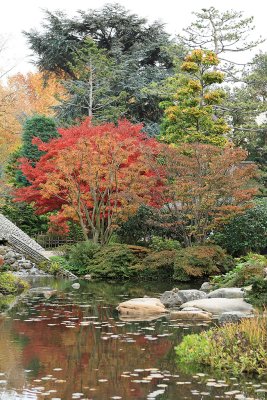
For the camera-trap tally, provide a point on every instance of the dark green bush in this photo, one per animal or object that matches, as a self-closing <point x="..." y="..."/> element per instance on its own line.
<point x="258" y="294"/>
<point x="137" y="229"/>
<point x="10" y="284"/>
<point x="156" y="266"/>
<point x="245" y="233"/>
<point x="80" y="256"/>
<point x="113" y="262"/>
<point x="247" y="268"/>
<point x="199" y="261"/>
<point x="144" y="225"/>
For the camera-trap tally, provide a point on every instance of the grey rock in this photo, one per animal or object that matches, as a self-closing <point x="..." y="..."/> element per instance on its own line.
<point x="15" y="265"/>
<point x="9" y="260"/>
<point x="233" y="316"/>
<point x="88" y="277"/>
<point x="227" y="293"/>
<point x="220" y="305"/>
<point x="205" y="287"/>
<point x="26" y="265"/>
<point x="175" y="298"/>
<point x="10" y="254"/>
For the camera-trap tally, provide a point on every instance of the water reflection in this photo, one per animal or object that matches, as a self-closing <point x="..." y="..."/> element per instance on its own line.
<point x="68" y="344"/>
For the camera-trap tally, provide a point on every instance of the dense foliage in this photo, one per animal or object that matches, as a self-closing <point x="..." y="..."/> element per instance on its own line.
<point x="248" y="267"/>
<point x="199" y="261"/>
<point x="37" y="126"/>
<point x="121" y="173"/>
<point x="112" y="262"/>
<point x="246" y="232"/>
<point x="191" y="116"/>
<point x="258" y="293"/>
<point x="236" y="348"/>
<point x="138" y="50"/>
<point x="208" y="186"/>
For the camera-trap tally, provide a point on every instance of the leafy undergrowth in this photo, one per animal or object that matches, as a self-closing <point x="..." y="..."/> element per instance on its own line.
<point x="236" y="348"/>
<point x="248" y="267"/>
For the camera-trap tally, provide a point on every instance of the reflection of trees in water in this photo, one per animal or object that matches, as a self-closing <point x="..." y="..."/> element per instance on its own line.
<point x="83" y="355"/>
<point x="11" y="357"/>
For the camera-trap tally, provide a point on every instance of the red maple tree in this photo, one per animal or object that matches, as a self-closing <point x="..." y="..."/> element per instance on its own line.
<point x="94" y="175"/>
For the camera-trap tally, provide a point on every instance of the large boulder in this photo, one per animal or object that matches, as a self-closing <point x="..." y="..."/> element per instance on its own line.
<point x="220" y="305"/>
<point x="227" y="293"/>
<point x="144" y="305"/>
<point x="176" y="297"/>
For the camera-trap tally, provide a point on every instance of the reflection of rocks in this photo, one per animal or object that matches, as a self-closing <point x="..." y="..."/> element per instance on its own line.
<point x="17" y="263"/>
<point x="176" y="297"/>
<point x="76" y="285"/>
<point x="47" y="292"/>
<point x="139" y="318"/>
<point x="227" y="293"/>
<point x="144" y="305"/>
<point x="220" y="305"/>
<point x="192" y="315"/>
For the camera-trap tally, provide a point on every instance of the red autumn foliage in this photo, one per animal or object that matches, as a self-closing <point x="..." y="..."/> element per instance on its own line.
<point x="95" y="175"/>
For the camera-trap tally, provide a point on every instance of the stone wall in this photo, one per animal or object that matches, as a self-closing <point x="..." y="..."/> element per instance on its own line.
<point x="17" y="263"/>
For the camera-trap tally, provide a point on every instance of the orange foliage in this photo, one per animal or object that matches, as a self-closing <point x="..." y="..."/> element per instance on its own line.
<point x="208" y="186"/>
<point x="35" y="94"/>
<point x="9" y="124"/>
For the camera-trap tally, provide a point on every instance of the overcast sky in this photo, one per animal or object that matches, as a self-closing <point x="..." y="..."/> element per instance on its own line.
<point x="18" y="15"/>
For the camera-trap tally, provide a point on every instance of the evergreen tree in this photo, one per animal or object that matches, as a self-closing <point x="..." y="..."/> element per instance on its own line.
<point x="224" y="33"/>
<point x="135" y="50"/>
<point x="192" y="115"/>
<point x="37" y="126"/>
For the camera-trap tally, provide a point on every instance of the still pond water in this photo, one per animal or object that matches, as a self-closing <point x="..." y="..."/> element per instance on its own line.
<point x="71" y="344"/>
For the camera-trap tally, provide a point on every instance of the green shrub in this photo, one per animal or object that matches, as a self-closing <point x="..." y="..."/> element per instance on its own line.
<point x="10" y="284"/>
<point x="247" y="268"/>
<point x="80" y="256"/>
<point x="156" y="265"/>
<point x="245" y="233"/>
<point x="236" y="348"/>
<point x="113" y="262"/>
<point x="158" y="244"/>
<point x="200" y="261"/>
<point x="258" y="294"/>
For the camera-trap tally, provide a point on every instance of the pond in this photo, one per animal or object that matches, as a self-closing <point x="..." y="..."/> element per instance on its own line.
<point x="71" y="344"/>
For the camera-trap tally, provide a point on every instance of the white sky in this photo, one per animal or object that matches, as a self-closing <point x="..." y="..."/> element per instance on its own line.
<point x="19" y="15"/>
